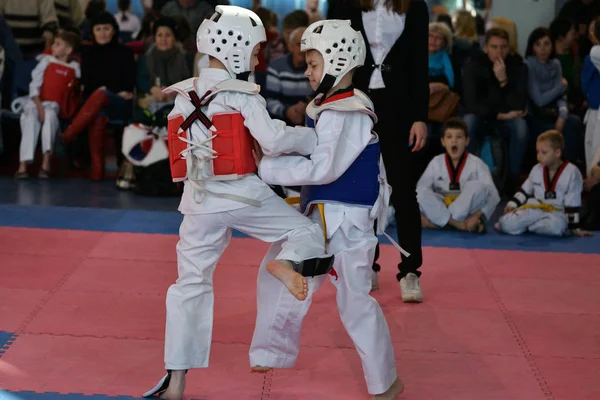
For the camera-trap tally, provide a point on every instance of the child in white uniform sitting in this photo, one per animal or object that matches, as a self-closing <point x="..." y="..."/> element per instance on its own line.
<point x="48" y="88"/>
<point x="549" y="201"/>
<point x="456" y="189"/>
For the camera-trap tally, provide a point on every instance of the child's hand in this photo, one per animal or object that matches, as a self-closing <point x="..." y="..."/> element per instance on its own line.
<point x="157" y="93"/>
<point x="560" y="124"/>
<point x="508" y="209"/>
<point x="582" y="233"/>
<point x="589" y="183"/>
<point x="41" y="112"/>
<point x="257" y="153"/>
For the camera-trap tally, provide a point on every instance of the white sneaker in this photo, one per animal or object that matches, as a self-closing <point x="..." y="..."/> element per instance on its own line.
<point x="374" y="281"/>
<point x="411" y="289"/>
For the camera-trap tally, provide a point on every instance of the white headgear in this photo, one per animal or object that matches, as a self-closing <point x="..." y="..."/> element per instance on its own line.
<point x="341" y="46"/>
<point x="230" y="36"/>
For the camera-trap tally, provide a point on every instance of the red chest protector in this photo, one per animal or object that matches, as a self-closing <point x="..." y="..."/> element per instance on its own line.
<point x="231" y="145"/>
<point x="61" y="86"/>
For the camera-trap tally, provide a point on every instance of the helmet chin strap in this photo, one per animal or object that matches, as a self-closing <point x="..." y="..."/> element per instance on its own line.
<point x="325" y="85"/>
<point x="243" y="76"/>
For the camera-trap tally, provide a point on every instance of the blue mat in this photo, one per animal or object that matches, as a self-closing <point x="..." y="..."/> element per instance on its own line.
<point x="163" y="222"/>
<point x="6" y="339"/>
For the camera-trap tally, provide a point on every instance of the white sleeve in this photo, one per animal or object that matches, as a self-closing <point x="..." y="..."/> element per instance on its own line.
<point x="342" y="136"/>
<point x="273" y="136"/>
<point x="427" y="179"/>
<point x="484" y="176"/>
<point x="574" y="190"/>
<point x="524" y="192"/>
<point x="37" y="77"/>
<point x="595" y="56"/>
<point x="75" y="65"/>
<point x="137" y="26"/>
<point x="573" y="199"/>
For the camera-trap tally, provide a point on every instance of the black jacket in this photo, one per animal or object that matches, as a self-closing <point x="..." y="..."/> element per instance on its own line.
<point x="482" y="93"/>
<point x="406" y="71"/>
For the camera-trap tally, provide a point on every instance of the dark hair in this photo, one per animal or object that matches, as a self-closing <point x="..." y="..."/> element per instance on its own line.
<point x="446" y="19"/>
<point x="147" y="22"/>
<point x="456" y="123"/>
<point x="124" y="5"/>
<point x="69" y="37"/>
<point x="560" y="27"/>
<point x="167" y="22"/>
<point x="94" y="8"/>
<point x="537" y="34"/>
<point x="266" y="16"/>
<point x="596" y="28"/>
<point x="295" y="19"/>
<point x="496" y="32"/>
<point x="399" y="6"/>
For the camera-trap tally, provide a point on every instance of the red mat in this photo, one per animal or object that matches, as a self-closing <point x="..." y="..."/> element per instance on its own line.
<point x="495" y="324"/>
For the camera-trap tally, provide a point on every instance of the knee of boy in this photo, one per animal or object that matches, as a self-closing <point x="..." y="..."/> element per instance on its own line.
<point x="508" y="223"/>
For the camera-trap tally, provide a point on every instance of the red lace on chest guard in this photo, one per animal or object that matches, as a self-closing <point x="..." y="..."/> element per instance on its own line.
<point x="231" y="144"/>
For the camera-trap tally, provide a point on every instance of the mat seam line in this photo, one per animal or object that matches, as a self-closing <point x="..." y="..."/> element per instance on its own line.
<point x="266" y="385"/>
<point x="529" y="358"/>
<point x="44" y="300"/>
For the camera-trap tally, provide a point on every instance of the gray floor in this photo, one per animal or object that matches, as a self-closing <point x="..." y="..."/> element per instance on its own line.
<point x="78" y="193"/>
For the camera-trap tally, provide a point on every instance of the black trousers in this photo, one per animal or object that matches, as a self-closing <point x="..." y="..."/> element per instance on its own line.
<point x="403" y="170"/>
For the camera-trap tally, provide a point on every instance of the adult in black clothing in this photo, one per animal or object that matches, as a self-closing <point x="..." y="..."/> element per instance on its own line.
<point x="108" y="78"/>
<point x="401" y="106"/>
<point x="582" y="12"/>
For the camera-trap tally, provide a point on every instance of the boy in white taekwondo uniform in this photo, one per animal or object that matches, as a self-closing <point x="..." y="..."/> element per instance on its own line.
<point x="344" y="188"/>
<point x="549" y="201"/>
<point x="211" y="129"/>
<point x="456" y="189"/>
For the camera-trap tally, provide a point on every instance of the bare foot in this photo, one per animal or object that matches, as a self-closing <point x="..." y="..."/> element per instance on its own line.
<point x="260" y="369"/>
<point x="176" y="386"/>
<point x="284" y="272"/>
<point x="473" y="223"/>
<point x="393" y="392"/>
<point x="426" y="223"/>
<point x="497" y="226"/>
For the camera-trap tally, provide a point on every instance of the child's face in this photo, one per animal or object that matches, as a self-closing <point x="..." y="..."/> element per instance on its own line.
<point x="314" y="68"/>
<point x="60" y="48"/>
<point x="542" y="48"/>
<point x="254" y="57"/>
<point x="455" y="142"/>
<point x="546" y="155"/>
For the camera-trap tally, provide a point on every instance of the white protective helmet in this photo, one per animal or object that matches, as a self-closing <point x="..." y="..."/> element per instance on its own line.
<point x="341" y="46"/>
<point x="230" y="36"/>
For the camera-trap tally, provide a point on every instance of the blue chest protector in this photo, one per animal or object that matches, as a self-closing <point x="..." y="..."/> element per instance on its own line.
<point x="359" y="185"/>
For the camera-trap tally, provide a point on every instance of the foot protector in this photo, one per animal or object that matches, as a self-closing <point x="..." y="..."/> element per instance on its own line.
<point x="161" y="386"/>
<point x="314" y="266"/>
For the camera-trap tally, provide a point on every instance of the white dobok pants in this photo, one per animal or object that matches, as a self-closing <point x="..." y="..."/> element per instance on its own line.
<point x="203" y="238"/>
<point x="534" y="220"/>
<point x="472" y="197"/>
<point x="279" y="318"/>
<point x="30" y="128"/>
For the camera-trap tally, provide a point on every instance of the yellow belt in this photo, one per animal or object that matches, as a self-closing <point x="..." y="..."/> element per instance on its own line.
<point x="320" y="206"/>
<point x="541" y="206"/>
<point x="449" y="199"/>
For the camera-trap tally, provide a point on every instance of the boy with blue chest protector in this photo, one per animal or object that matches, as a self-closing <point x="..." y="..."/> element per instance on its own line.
<point x="344" y="189"/>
